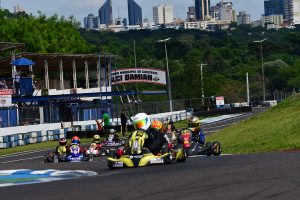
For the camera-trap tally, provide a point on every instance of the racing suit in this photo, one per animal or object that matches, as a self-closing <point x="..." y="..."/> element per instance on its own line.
<point x="198" y="136"/>
<point x="156" y="140"/>
<point x="62" y="149"/>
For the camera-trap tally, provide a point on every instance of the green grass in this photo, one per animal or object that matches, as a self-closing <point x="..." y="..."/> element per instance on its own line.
<point x="277" y="129"/>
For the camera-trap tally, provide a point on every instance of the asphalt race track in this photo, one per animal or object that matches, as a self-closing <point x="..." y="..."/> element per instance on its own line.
<point x="241" y="177"/>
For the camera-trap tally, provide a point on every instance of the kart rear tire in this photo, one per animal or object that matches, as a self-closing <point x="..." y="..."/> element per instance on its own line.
<point x="110" y="164"/>
<point x="168" y="159"/>
<point x="216" y="148"/>
<point x="184" y="158"/>
<point x="208" y="147"/>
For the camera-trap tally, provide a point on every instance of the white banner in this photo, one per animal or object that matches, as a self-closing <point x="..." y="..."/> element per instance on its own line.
<point x="142" y="75"/>
<point x="5" y="101"/>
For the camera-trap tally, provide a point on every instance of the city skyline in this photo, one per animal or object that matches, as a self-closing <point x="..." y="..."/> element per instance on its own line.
<point x="80" y="9"/>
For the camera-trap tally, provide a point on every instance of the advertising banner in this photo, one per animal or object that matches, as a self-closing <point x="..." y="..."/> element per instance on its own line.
<point x="141" y="75"/>
<point x="220" y="102"/>
<point x="5" y="98"/>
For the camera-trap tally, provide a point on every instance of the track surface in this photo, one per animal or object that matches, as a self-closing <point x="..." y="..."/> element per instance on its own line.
<point x="255" y="176"/>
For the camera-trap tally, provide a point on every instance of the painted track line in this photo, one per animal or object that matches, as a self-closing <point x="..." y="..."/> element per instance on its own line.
<point x="195" y="156"/>
<point x="11" y="161"/>
<point x="25" y="153"/>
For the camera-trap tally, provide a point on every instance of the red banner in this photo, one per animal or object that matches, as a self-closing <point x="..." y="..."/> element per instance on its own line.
<point x="6" y="92"/>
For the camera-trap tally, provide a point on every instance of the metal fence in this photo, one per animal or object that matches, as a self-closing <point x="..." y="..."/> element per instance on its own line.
<point x="64" y="112"/>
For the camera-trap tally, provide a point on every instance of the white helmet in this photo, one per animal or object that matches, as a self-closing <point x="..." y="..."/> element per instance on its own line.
<point x="112" y="131"/>
<point x="141" y="121"/>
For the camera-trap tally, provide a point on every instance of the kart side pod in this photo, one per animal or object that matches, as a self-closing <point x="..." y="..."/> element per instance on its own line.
<point x="136" y="161"/>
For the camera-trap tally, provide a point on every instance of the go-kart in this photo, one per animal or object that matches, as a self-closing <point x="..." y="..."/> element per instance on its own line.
<point x="111" y="146"/>
<point x="208" y="149"/>
<point x="59" y="156"/>
<point x="76" y="155"/>
<point x="195" y="148"/>
<point x="145" y="158"/>
<point x="94" y="150"/>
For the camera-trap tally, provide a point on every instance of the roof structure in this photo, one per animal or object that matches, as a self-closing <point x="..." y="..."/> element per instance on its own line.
<point x="53" y="60"/>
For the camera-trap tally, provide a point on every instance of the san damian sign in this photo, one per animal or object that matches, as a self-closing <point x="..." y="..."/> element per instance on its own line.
<point x="140" y="75"/>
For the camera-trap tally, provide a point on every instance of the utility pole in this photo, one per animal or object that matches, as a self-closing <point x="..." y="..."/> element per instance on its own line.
<point x="202" y="85"/>
<point x="248" y="93"/>
<point x="168" y="74"/>
<point x="262" y="67"/>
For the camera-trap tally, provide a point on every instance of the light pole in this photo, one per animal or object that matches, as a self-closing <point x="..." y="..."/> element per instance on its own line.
<point x="262" y="67"/>
<point x="168" y="74"/>
<point x="202" y="88"/>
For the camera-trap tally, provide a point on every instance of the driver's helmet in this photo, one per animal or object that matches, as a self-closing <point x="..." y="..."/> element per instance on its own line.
<point x="62" y="141"/>
<point x="75" y="140"/>
<point x="193" y="123"/>
<point x="112" y="131"/>
<point x="96" y="138"/>
<point x="141" y="121"/>
<point x="157" y="125"/>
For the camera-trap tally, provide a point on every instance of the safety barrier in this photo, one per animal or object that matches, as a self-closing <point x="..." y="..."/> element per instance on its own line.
<point x="23" y="135"/>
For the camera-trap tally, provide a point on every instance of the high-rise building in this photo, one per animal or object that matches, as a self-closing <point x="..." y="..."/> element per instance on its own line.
<point x="91" y="22"/>
<point x="134" y="13"/>
<point x="243" y="18"/>
<point x="202" y="8"/>
<point x="295" y="16"/>
<point x="163" y="14"/>
<point x="191" y="14"/>
<point x="274" y="7"/>
<point x="226" y="11"/>
<point x="105" y="13"/>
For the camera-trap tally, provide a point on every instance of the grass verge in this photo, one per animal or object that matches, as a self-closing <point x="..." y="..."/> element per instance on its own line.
<point x="277" y="129"/>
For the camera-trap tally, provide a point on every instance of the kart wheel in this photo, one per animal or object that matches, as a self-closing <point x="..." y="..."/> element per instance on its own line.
<point x="168" y="159"/>
<point x="208" y="147"/>
<point x="183" y="159"/>
<point x="216" y="148"/>
<point x="111" y="154"/>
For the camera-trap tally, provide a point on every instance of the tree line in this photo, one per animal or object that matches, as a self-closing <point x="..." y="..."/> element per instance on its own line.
<point x="229" y="54"/>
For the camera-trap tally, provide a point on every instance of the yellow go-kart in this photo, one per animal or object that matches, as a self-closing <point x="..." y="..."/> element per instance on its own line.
<point x="145" y="158"/>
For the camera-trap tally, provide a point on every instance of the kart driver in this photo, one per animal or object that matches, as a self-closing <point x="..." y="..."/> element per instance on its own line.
<point x="159" y="138"/>
<point x="194" y="125"/>
<point x="112" y="137"/>
<point x="143" y="137"/>
<point x="62" y="146"/>
<point x="75" y="141"/>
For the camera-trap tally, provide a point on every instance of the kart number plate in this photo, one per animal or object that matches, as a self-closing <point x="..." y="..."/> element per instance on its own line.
<point x="118" y="164"/>
<point x="156" y="161"/>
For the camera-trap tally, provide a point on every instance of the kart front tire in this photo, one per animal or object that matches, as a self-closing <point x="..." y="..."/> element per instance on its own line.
<point x="216" y="148"/>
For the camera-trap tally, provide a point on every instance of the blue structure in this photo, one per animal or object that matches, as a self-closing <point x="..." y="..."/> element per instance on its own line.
<point x="202" y="8"/>
<point x="134" y="13"/>
<point x="274" y="7"/>
<point x="105" y="13"/>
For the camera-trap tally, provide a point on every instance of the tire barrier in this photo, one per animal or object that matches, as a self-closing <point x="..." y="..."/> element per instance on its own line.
<point x="84" y="129"/>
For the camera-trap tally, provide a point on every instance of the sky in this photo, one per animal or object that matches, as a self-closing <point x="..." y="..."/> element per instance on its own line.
<point x="81" y="8"/>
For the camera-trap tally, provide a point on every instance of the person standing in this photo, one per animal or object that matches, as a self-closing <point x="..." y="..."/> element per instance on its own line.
<point x="105" y="119"/>
<point x="123" y="122"/>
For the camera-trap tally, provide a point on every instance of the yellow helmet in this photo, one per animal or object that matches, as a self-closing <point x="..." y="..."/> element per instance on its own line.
<point x="193" y="122"/>
<point x="157" y="125"/>
<point x="96" y="138"/>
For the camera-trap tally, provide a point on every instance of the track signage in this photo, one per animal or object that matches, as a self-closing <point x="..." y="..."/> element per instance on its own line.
<point x="140" y="75"/>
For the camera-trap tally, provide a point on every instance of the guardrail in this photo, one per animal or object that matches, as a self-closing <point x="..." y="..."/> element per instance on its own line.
<point x="23" y="135"/>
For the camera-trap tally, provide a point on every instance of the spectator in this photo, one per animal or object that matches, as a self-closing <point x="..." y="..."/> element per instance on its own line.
<point x="105" y="119"/>
<point x="123" y="122"/>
